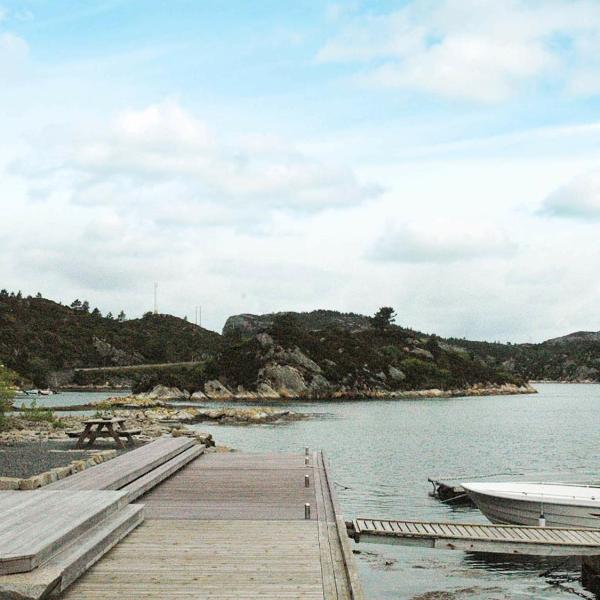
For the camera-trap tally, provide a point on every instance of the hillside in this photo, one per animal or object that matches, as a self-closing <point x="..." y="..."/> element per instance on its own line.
<point x="571" y="358"/>
<point x="284" y="355"/>
<point x="38" y="336"/>
<point x="314" y="353"/>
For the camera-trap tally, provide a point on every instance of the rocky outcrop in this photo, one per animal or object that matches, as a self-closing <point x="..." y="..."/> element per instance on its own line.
<point x="116" y="356"/>
<point x="286" y="380"/>
<point x="164" y="393"/>
<point x="215" y="390"/>
<point x="396" y="374"/>
<point x="506" y="389"/>
<point x="264" y="390"/>
<point x="316" y="320"/>
<point x="230" y="416"/>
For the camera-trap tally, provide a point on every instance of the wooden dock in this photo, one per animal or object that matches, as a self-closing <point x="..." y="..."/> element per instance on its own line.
<point x="504" y="539"/>
<point x="233" y="526"/>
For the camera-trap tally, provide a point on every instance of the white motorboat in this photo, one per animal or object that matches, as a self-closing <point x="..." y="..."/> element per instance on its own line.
<point x="559" y="504"/>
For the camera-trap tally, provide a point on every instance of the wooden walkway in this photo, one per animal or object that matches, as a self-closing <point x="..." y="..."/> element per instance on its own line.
<point x="232" y="526"/>
<point x="49" y="536"/>
<point x="511" y="539"/>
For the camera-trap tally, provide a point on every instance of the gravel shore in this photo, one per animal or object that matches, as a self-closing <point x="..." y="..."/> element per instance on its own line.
<point x="27" y="459"/>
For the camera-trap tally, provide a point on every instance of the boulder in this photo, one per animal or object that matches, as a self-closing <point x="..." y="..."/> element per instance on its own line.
<point x="198" y="397"/>
<point x="319" y="385"/>
<point x="422" y="353"/>
<point x="266" y="392"/>
<point x="215" y="390"/>
<point x="396" y="374"/>
<point x="201" y="438"/>
<point x="162" y="392"/>
<point x="287" y="381"/>
<point x="9" y="483"/>
<point x="265" y="340"/>
<point x="298" y="358"/>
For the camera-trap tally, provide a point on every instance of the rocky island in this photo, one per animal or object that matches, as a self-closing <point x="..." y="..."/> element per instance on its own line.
<point x="316" y="355"/>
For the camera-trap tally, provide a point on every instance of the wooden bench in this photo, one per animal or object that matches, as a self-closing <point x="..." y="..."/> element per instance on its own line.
<point x="104" y="428"/>
<point x="122" y="433"/>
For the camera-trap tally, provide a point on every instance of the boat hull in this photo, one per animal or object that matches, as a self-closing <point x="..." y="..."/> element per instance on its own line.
<point x="513" y="511"/>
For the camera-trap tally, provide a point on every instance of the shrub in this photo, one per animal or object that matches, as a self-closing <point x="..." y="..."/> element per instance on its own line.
<point x="33" y="412"/>
<point x="7" y="393"/>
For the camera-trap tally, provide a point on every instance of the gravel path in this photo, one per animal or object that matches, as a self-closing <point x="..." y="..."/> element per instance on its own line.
<point x="25" y="460"/>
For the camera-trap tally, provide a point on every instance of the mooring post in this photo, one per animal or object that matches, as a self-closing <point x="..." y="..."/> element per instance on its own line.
<point x="307" y="511"/>
<point x="590" y="573"/>
<point x="307" y="481"/>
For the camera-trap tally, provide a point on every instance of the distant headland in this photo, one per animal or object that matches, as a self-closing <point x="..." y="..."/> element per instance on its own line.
<point x="321" y="354"/>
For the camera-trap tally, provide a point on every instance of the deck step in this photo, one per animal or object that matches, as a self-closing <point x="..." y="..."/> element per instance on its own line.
<point x="35" y="525"/>
<point x="118" y="472"/>
<point x="64" y="568"/>
<point x="145" y="483"/>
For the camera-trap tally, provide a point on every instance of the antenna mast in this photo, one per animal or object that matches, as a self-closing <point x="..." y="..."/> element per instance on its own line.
<point x="155" y="297"/>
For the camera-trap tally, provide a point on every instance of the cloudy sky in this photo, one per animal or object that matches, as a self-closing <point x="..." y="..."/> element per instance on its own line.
<point x="442" y="157"/>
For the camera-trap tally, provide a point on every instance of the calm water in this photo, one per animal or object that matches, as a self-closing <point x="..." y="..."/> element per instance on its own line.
<point x="383" y="451"/>
<point x="66" y="398"/>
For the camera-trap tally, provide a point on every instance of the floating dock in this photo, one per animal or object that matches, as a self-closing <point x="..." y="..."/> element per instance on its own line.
<point x="503" y="539"/>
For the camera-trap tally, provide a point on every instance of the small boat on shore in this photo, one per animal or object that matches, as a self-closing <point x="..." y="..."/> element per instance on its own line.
<point x="535" y="504"/>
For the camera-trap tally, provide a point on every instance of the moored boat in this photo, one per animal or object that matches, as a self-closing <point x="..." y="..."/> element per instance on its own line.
<point x="558" y="504"/>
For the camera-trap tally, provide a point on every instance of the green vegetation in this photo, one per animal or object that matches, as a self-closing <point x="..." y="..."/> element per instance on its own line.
<point x="350" y="351"/>
<point x="33" y="412"/>
<point x="38" y="336"/>
<point x="572" y="358"/>
<point x="383" y="318"/>
<point x="188" y="377"/>
<point x="7" y="393"/>
<point x="386" y="357"/>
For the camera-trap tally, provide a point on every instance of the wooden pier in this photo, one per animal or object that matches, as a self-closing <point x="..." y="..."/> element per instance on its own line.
<point x="233" y="526"/>
<point x="503" y="539"/>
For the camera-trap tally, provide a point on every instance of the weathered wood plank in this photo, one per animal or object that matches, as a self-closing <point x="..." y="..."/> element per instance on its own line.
<point x="485" y="538"/>
<point x="124" y="469"/>
<point x="47" y="521"/>
<point x="209" y="559"/>
<point x="232" y="526"/>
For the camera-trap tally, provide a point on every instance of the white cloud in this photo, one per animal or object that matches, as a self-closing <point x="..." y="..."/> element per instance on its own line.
<point x="577" y="199"/>
<point x="164" y="154"/>
<point x="14" y="52"/>
<point x="441" y="242"/>
<point x="479" y="51"/>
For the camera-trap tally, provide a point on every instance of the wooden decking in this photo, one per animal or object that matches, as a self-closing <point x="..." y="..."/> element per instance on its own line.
<point x="35" y="524"/>
<point x="120" y="471"/>
<point x="512" y="539"/>
<point x="48" y="537"/>
<point x="233" y="526"/>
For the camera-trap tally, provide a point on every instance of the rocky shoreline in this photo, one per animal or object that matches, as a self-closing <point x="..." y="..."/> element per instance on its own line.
<point x="154" y="419"/>
<point x="216" y="391"/>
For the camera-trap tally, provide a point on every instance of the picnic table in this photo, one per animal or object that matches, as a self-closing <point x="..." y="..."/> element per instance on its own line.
<point x="114" y="428"/>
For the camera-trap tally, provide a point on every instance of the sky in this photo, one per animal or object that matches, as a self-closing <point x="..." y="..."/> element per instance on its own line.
<point x="441" y="157"/>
